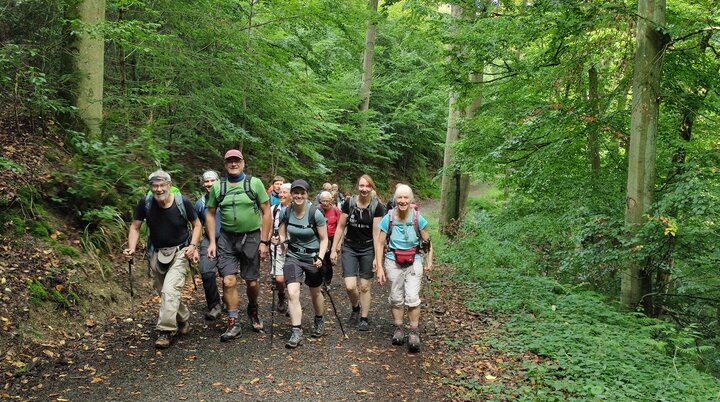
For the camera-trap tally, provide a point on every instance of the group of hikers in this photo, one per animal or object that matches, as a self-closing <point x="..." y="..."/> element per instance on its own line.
<point x="245" y="223"/>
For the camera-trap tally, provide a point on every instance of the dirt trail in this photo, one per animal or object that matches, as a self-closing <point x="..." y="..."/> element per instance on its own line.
<point x="119" y="363"/>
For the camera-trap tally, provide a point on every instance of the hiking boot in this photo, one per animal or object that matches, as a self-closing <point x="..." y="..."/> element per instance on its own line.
<point x="398" y="337"/>
<point x="364" y="325"/>
<point x="255" y="320"/>
<point x="214" y="312"/>
<point x="413" y="341"/>
<point x="163" y="340"/>
<point x="282" y="306"/>
<point x="233" y="331"/>
<point x="184" y="327"/>
<point x="318" y="328"/>
<point x="354" y="318"/>
<point x="295" y="338"/>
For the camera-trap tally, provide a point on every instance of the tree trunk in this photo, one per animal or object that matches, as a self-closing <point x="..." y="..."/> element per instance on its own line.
<point x="368" y="57"/>
<point x="454" y="186"/>
<point x="90" y="65"/>
<point x="643" y="128"/>
<point x="450" y="196"/>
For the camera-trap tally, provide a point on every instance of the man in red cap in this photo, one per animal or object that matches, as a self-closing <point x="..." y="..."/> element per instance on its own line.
<point x="246" y="224"/>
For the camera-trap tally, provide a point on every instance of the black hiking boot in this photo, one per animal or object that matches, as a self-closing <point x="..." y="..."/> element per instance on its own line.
<point x="354" y="317"/>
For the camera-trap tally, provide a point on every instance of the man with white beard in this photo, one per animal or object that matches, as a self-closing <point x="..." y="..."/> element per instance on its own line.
<point x="170" y="248"/>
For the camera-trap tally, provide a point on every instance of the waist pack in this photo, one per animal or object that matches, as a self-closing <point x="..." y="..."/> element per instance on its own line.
<point x="166" y="255"/>
<point x="405" y="257"/>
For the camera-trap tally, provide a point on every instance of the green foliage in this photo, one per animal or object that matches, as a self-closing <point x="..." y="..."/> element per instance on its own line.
<point x="37" y="294"/>
<point x="67" y="250"/>
<point x="593" y="350"/>
<point x="40" y="229"/>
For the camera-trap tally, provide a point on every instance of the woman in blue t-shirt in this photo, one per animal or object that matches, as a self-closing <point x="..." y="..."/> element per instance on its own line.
<point x="406" y="237"/>
<point x="307" y="242"/>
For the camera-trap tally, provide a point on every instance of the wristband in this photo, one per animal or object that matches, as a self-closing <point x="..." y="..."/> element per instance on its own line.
<point x="265" y="242"/>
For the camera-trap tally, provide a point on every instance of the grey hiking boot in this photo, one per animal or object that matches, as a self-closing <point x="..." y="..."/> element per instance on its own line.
<point x="398" y="337"/>
<point x="413" y="342"/>
<point x="163" y="340"/>
<point x="354" y="318"/>
<point x="318" y="328"/>
<point x="234" y="330"/>
<point x="214" y="312"/>
<point x="364" y="325"/>
<point x="295" y="338"/>
<point x="252" y="312"/>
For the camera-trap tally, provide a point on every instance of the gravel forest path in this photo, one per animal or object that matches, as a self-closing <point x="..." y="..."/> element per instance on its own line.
<point x="117" y="361"/>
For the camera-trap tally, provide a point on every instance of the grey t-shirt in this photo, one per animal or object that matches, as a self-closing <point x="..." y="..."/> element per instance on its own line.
<point x="301" y="235"/>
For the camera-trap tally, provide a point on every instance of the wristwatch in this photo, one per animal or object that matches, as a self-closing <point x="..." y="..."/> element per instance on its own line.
<point x="317" y="258"/>
<point x="265" y="242"/>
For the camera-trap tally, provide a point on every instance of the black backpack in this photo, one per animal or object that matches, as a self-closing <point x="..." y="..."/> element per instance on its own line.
<point x="247" y="189"/>
<point x="285" y="218"/>
<point x="353" y="206"/>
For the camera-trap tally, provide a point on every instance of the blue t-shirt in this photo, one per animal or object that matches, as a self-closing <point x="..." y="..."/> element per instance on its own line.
<point x="201" y="210"/>
<point x="403" y="236"/>
<point x="301" y="236"/>
<point x="274" y="198"/>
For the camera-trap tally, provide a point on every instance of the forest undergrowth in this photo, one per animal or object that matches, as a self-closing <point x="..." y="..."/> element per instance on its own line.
<point x="590" y="348"/>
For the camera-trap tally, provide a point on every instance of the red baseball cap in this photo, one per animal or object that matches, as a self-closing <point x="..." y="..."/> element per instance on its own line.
<point x="233" y="153"/>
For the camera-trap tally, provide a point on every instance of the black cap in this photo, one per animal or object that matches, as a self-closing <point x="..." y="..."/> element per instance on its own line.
<point x="299" y="183"/>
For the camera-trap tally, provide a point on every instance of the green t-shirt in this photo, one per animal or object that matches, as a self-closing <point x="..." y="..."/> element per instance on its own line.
<point x="237" y="210"/>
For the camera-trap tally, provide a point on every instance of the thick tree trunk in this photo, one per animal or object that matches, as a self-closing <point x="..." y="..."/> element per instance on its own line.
<point x="368" y="57"/>
<point x="450" y="195"/>
<point x="89" y="64"/>
<point x="643" y="129"/>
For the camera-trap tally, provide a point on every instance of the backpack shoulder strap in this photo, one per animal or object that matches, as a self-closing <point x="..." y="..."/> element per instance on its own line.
<point x="311" y="220"/>
<point x="390" y="226"/>
<point x="285" y="214"/>
<point x="148" y="204"/>
<point x="180" y="203"/>
<point x="373" y="205"/>
<point x="223" y="190"/>
<point x="416" y="224"/>
<point x="352" y="204"/>
<point x="247" y="187"/>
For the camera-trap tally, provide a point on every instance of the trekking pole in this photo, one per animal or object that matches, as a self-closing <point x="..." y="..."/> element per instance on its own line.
<point x="273" y="288"/>
<point x="332" y="303"/>
<point x="132" y="292"/>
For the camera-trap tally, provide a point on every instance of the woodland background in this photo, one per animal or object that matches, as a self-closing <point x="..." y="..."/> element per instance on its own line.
<point x="597" y="146"/>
